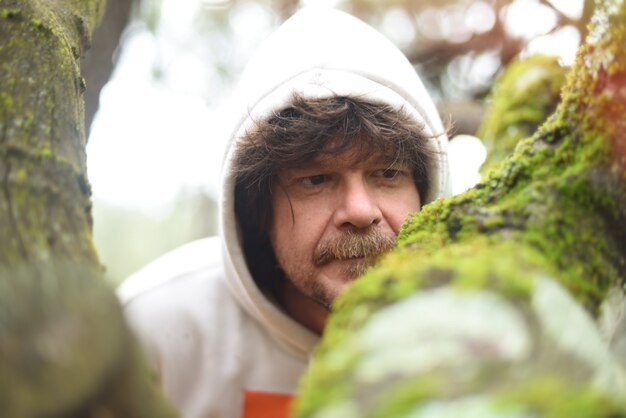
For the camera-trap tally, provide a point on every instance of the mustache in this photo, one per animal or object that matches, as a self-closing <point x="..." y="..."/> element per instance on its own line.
<point x="370" y="243"/>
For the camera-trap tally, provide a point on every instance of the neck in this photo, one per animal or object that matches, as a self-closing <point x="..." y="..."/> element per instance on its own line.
<point x="302" y="308"/>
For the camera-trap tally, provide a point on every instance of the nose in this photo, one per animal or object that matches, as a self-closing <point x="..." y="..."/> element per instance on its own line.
<point x="357" y="206"/>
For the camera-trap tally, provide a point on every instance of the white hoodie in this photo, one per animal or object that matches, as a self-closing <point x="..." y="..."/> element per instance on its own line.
<point x="220" y="348"/>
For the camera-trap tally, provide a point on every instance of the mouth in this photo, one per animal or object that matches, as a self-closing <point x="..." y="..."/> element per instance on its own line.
<point x="361" y="258"/>
<point x="355" y="257"/>
<point x="355" y="267"/>
<point x="369" y="259"/>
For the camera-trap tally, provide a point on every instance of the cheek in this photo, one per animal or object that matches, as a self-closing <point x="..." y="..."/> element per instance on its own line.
<point x="294" y="236"/>
<point x="292" y="247"/>
<point x="291" y="230"/>
<point x="281" y="220"/>
<point x="398" y="210"/>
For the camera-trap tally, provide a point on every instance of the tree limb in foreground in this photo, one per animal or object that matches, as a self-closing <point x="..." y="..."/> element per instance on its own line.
<point x="64" y="348"/>
<point x="507" y="300"/>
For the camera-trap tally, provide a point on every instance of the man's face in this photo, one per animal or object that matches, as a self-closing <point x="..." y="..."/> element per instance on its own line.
<point x="334" y="216"/>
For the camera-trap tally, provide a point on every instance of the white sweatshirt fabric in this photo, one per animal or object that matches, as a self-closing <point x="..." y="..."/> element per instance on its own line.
<point x="211" y="335"/>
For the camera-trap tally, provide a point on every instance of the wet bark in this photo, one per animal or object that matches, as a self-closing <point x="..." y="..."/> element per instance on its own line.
<point x="64" y="348"/>
<point x="506" y="300"/>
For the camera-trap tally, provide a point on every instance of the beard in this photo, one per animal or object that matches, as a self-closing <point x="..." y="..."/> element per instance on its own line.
<point x="362" y="247"/>
<point x="354" y="250"/>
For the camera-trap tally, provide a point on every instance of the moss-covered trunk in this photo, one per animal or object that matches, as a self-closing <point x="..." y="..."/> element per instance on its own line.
<point x="64" y="348"/>
<point x="507" y="300"/>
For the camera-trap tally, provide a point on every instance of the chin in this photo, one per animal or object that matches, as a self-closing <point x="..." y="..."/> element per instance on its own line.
<point x="339" y="286"/>
<point x="337" y="277"/>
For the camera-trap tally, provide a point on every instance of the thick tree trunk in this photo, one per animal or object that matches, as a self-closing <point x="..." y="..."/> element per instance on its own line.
<point x="64" y="347"/>
<point x="507" y="300"/>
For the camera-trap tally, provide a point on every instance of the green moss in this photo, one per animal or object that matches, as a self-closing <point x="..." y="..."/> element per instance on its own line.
<point x="466" y="267"/>
<point x="7" y="101"/>
<point x="552" y="397"/>
<point x="522" y="98"/>
<point x="45" y="151"/>
<point x="49" y="209"/>
<point x="28" y="120"/>
<point x="553" y="208"/>
<point x="65" y="349"/>
<point x="22" y="175"/>
<point x="401" y="400"/>
<point x="10" y="13"/>
<point x="547" y="396"/>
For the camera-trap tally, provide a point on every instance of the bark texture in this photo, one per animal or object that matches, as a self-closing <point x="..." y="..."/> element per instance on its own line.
<point x="507" y="300"/>
<point x="64" y="348"/>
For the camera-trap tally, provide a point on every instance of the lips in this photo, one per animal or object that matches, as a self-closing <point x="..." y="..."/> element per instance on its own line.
<point x="355" y="257"/>
<point x="355" y="267"/>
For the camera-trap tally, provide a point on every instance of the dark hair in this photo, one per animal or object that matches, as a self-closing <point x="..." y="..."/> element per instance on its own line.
<point x="306" y="129"/>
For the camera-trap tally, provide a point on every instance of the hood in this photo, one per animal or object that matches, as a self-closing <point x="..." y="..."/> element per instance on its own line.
<point x="319" y="52"/>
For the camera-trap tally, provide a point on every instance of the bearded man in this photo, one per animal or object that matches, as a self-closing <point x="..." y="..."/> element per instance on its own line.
<point x="334" y="142"/>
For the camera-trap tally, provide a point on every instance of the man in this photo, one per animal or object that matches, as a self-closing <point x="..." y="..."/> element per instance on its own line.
<point x="334" y="142"/>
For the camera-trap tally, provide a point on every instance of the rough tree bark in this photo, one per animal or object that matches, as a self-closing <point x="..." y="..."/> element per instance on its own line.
<point x="507" y="300"/>
<point x="64" y="348"/>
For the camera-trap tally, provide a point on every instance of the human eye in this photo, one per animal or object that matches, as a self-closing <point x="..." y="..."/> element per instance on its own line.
<point x="314" y="180"/>
<point x="390" y="173"/>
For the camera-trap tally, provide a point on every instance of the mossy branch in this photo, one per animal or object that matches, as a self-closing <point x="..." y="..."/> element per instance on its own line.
<point x="522" y="98"/>
<point x="503" y="301"/>
<point x="65" y="350"/>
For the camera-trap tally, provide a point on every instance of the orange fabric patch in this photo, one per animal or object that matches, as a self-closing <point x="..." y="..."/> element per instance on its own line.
<point x="266" y="405"/>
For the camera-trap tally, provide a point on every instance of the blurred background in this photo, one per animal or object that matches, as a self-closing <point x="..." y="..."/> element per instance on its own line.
<point x="159" y="70"/>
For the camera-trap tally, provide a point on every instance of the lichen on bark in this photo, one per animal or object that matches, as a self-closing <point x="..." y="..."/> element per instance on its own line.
<point x="64" y="348"/>
<point x="45" y="199"/>
<point x="489" y="304"/>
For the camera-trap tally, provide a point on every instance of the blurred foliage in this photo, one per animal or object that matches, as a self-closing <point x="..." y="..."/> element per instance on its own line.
<point x="127" y="239"/>
<point x="459" y="46"/>
<point x="451" y="37"/>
